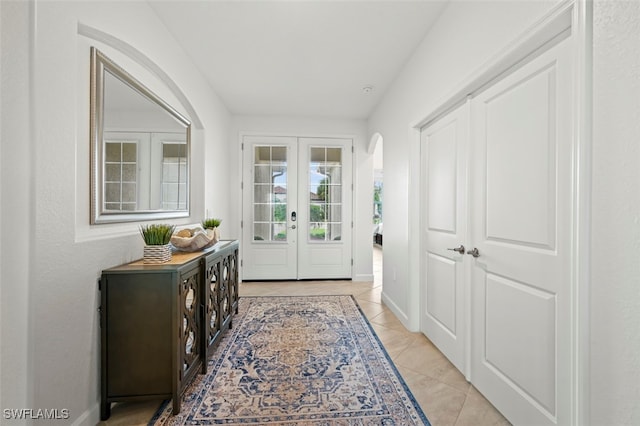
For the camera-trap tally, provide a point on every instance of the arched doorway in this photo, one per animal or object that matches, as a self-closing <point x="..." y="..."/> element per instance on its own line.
<point x="376" y="150"/>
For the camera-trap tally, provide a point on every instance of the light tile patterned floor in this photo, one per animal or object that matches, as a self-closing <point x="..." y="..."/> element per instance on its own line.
<point x="440" y="389"/>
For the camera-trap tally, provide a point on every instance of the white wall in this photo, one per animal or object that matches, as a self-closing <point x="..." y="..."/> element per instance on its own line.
<point x="615" y="268"/>
<point x="54" y="257"/>
<point x="16" y="198"/>
<point x="467" y="35"/>
<point x="378" y="157"/>
<point x="363" y="169"/>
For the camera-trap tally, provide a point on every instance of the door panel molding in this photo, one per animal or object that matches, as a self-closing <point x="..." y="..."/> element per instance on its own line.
<point x="441" y="293"/>
<point x="528" y="321"/>
<point x="442" y="177"/>
<point x="526" y="157"/>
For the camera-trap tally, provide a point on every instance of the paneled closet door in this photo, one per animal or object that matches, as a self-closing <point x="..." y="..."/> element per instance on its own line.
<point x="444" y="280"/>
<point x="521" y="225"/>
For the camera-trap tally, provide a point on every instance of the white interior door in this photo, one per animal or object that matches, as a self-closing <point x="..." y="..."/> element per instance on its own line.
<point x="444" y="224"/>
<point x="297" y="212"/>
<point x="270" y="190"/>
<point x="521" y="225"/>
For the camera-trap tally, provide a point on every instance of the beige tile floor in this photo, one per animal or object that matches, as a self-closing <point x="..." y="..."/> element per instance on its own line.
<point x="440" y="389"/>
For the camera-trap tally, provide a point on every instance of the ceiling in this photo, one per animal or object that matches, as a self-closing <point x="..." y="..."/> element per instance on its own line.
<point x="301" y="58"/>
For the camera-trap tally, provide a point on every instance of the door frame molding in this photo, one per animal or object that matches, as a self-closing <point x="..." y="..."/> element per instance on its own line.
<point x="570" y="19"/>
<point x="353" y="137"/>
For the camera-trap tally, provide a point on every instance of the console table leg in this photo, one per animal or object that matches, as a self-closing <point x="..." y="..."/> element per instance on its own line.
<point x="105" y="410"/>
<point x="176" y="405"/>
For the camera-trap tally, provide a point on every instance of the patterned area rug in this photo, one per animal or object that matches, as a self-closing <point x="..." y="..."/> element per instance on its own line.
<point x="311" y="360"/>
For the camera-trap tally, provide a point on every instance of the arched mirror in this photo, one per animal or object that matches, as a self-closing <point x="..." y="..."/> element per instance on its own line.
<point x="139" y="149"/>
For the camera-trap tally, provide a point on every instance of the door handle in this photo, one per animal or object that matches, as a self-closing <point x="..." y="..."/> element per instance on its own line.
<point x="474" y="252"/>
<point x="458" y="249"/>
<point x="293" y="227"/>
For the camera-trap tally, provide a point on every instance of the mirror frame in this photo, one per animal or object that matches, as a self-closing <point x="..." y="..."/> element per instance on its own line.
<point x="100" y="64"/>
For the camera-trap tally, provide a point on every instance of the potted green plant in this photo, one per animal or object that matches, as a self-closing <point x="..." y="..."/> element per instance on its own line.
<point x="213" y="224"/>
<point x="156" y="238"/>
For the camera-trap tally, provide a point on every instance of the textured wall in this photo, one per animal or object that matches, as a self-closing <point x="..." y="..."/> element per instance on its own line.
<point x="15" y="201"/>
<point x="466" y="36"/>
<point x="615" y="310"/>
<point x="50" y="307"/>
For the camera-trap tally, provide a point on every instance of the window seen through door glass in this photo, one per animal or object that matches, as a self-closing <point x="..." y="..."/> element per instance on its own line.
<point x="270" y="193"/>
<point x="325" y="194"/>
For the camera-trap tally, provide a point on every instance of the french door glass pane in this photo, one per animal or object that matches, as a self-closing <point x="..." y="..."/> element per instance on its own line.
<point x="325" y="231"/>
<point x="279" y="155"/>
<point x="270" y="193"/>
<point x="261" y="213"/>
<point x="279" y="231"/>
<point x="261" y="193"/>
<point x="325" y="194"/>
<point x="262" y="173"/>
<point x="261" y="231"/>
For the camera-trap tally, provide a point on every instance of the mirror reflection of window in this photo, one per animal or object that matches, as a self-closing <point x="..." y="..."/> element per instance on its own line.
<point x="121" y="176"/>
<point x="174" y="176"/>
<point x="145" y="171"/>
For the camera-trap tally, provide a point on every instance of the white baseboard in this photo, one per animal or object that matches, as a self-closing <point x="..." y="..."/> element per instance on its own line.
<point x="399" y="313"/>
<point x="362" y="277"/>
<point x="90" y="417"/>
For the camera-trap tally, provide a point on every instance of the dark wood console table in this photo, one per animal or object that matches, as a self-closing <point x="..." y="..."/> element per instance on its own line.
<point x="160" y="322"/>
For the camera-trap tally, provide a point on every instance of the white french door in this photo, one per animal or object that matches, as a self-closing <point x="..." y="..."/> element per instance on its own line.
<point x="324" y="208"/>
<point x="270" y="190"/>
<point x="297" y="212"/>
<point x="522" y="227"/>
<point x="444" y="233"/>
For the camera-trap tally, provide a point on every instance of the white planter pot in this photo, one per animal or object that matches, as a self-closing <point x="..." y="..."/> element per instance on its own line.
<point x="157" y="254"/>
